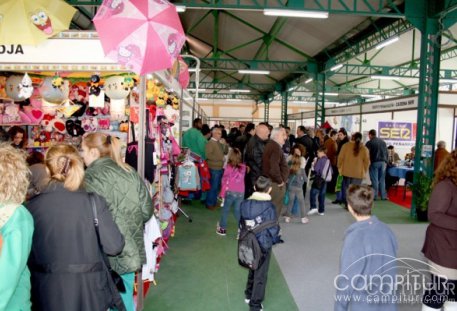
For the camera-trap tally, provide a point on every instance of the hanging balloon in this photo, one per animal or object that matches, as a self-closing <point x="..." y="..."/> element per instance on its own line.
<point x="53" y="94"/>
<point x="114" y="88"/>
<point x="13" y="88"/>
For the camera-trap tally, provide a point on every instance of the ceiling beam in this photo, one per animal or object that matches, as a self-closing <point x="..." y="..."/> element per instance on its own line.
<point x="228" y="64"/>
<point x="389" y="71"/>
<point x="383" y="8"/>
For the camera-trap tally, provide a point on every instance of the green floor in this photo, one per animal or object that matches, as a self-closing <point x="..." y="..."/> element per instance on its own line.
<point x="200" y="270"/>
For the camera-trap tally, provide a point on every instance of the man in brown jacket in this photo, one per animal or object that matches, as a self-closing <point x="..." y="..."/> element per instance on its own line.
<point x="215" y="150"/>
<point x="275" y="167"/>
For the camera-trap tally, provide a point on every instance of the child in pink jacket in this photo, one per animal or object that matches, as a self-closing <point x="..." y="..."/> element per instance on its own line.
<point x="232" y="189"/>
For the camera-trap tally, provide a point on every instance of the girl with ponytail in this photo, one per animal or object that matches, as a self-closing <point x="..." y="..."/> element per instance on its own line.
<point x="128" y="200"/>
<point x="353" y="163"/>
<point x="66" y="256"/>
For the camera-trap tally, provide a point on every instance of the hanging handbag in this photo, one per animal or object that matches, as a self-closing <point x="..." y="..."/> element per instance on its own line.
<point x="339" y="183"/>
<point x="117" y="280"/>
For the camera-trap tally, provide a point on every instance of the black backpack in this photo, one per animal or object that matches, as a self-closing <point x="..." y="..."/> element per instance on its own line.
<point x="249" y="250"/>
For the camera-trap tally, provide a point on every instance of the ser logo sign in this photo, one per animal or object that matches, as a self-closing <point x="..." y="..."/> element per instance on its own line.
<point x="397" y="131"/>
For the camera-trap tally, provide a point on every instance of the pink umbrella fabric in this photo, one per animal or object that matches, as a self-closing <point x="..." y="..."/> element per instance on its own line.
<point x="143" y="35"/>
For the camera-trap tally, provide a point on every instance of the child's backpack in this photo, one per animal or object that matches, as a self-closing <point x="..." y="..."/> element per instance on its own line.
<point x="249" y="250"/>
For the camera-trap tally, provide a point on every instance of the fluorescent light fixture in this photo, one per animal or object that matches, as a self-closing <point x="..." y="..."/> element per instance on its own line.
<point x="291" y="88"/>
<point x="295" y="13"/>
<point x="193" y="69"/>
<point x="240" y="91"/>
<point x="336" y="67"/>
<point x="385" y="77"/>
<point x="448" y="81"/>
<point x="233" y="100"/>
<point x="194" y="90"/>
<point x="254" y="72"/>
<point x="180" y="8"/>
<point x="202" y="99"/>
<point x="369" y="95"/>
<point x="387" y="42"/>
<point x="309" y="80"/>
<point x="330" y="94"/>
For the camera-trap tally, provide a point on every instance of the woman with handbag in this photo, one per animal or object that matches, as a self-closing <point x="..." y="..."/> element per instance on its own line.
<point x="128" y="200"/>
<point x="68" y="270"/>
<point x="297" y="177"/>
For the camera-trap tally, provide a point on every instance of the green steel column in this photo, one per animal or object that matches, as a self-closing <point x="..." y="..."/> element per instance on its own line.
<point x="266" y="112"/>
<point x="284" y="100"/>
<point x="319" y="115"/>
<point x="428" y="99"/>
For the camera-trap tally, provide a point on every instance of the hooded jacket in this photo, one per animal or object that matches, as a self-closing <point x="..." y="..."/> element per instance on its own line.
<point x="129" y="201"/>
<point x="259" y="208"/>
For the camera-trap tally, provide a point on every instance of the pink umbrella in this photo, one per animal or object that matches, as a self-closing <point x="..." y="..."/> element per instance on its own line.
<point x="143" y="35"/>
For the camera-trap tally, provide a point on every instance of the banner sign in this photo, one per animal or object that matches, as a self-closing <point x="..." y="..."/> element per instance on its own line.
<point x="338" y="111"/>
<point x="403" y="103"/>
<point x="397" y="133"/>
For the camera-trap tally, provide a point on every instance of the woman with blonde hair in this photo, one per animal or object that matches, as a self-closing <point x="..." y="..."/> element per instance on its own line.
<point x="128" y="200"/>
<point x="440" y="246"/>
<point x="68" y="271"/>
<point x="16" y="230"/>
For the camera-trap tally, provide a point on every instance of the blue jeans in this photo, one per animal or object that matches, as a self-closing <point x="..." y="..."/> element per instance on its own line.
<point x="211" y="197"/>
<point x="320" y="194"/>
<point x="378" y="178"/>
<point x="345" y="185"/>
<point x="231" y="198"/>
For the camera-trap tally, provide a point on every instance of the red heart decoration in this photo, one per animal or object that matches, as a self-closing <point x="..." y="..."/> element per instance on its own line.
<point x="59" y="126"/>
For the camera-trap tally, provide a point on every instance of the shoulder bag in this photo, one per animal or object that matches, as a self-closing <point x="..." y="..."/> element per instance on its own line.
<point x="117" y="280"/>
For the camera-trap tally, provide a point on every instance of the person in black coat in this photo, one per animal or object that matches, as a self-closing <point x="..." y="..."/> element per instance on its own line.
<point x="66" y="263"/>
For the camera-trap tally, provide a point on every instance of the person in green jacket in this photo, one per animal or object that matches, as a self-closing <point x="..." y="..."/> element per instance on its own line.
<point x="128" y="200"/>
<point x="16" y="230"/>
<point x="194" y="139"/>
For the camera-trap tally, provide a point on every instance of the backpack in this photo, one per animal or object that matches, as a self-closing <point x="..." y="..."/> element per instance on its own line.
<point x="249" y="250"/>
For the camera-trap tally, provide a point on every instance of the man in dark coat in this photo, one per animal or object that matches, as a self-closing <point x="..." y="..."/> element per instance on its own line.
<point x="253" y="157"/>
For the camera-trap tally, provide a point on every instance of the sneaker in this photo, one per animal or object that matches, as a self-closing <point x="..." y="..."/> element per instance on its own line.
<point x="238" y="234"/>
<point x="221" y="231"/>
<point x="247" y="300"/>
<point x="287" y="219"/>
<point x="321" y="214"/>
<point x="336" y="202"/>
<point x="304" y="220"/>
<point x="312" y="211"/>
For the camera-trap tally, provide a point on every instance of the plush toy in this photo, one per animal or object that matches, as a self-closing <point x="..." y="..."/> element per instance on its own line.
<point x="128" y="83"/>
<point x="2" y="86"/>
<point x="74" y="128"/>
<point x="175" y="103"/>
<point x="11" y="114"/>
<point x="57" y="82"/>
<point x="124" y="126"/>
<point x="26" y="87"/>
<point x="94" y="84"/>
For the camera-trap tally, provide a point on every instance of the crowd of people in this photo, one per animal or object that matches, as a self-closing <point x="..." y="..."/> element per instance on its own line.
<point x="63" y="214"/>
<point x="260" y="163"/>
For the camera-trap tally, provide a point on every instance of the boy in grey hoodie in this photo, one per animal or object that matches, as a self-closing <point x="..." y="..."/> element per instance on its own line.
<point x="367" y="265"/>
